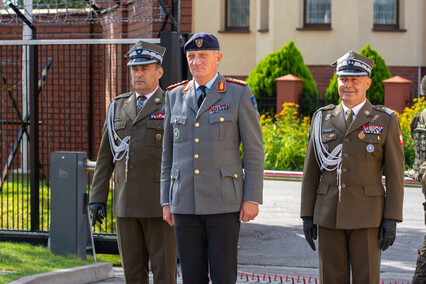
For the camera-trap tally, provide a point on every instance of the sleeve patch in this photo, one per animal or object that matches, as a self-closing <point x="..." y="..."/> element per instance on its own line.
<point x="253" y="101"/>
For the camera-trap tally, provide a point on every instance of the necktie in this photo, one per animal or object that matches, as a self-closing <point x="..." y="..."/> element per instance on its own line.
<point x="349" y="117"/>
<point x="140" y="102"/>
<point x="202" y="96"/>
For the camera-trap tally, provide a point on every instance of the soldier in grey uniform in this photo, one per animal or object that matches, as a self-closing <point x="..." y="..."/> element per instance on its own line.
<point x="418" y="132"/>
<point x="204" y="191"/>
<point x="131" y="147"/>
<point x="343" y="197"/>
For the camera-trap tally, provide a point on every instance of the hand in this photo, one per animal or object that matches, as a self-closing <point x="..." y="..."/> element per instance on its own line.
<point x="96" y="215"/>
<point x="248" y="211"/>
<point x="168" y="216"/>
<point x="310" y="230"/>
<point x="387" y="233"/>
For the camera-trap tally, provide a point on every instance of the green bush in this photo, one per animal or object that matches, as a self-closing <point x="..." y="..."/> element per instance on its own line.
<point x="287" y="60"/>
<point x="379" y="73"/>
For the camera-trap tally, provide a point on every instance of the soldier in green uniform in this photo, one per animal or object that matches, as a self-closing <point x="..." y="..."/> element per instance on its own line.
<point x="350" y="146"/>
<point x="418" y="132"/>
<point x="131" y="147"/>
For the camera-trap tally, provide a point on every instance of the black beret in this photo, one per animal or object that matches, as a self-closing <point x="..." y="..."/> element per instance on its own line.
<point x="202" y="41"/>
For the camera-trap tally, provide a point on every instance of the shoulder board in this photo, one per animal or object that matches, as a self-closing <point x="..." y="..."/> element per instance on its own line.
<point x="236" y="81"/>
<point x="328" y="107"/>
<point x="177" y="84"/>
<point x="384" y="109"/>
<point x="123" y="96"/>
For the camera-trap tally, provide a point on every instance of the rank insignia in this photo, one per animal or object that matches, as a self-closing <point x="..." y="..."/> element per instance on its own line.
<point x="215" y="109"/>
<point x="157" y="100"/>
<point x="253" y="101"/>
<point x="371" y="129"/>
<point x="157" y="116"/>
<point x="221" y="87"/>
<point x="370" y="148"/>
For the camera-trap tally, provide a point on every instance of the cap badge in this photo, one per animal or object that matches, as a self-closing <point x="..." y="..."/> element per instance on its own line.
<point x="199" y="42"/>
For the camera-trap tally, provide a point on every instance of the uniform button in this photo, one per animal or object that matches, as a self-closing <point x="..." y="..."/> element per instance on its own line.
<point x="196" y="156"/>
<point x="131" y="166"/>
<point x="159" y="126"/>
<point x="221" y="119"/>
<point x="197" y="124"/>
<point x="344" y="170"/>
<point x="196" y="172"/>
<point x="175" y="121"/>
<point x="345" y="155"/>
<point x="134" y="128"/>
<point x="132" y="154"/>
<point x="133" y="140"/>
<point x="343" y="185"/>
<point x="196" y="140"/>
<point x="171" y="177"/>
<point x="346" y="139"/>
<point x="235" y="176"/>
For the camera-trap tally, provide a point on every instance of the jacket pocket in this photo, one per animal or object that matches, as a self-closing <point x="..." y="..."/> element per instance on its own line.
<point x="220" y="126"/>
<point x="119" y="129"/>
<point x="323" y="188"/>
<point x="374" y="191"/>
<point x="174" y="186"/>
<point x="232" y="186"/>
<point x="179" y="125"/>
<point x="155" y="130"/>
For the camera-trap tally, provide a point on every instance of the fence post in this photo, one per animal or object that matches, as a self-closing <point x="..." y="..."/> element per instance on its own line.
<point x="397" y="93"/>
<point x="289" y="88"/>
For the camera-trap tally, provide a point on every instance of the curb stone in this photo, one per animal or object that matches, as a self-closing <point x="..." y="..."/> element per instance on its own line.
<point x="80" y="274"/>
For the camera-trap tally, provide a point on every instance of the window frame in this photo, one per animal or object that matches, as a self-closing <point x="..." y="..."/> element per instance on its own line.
<point x="229" y="28"/>
<point x="388" y="27"/>
<point x="315" y="26"/>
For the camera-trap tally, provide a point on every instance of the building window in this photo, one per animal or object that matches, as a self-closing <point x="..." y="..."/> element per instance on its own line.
<point x="237" y="15"/>
<point x="317" y="14"/>
<point x="386" y="14"/>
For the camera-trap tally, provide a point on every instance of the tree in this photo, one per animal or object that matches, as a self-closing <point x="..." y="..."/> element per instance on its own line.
<point x="287" y="60"/>
<point x="379" y="73"/>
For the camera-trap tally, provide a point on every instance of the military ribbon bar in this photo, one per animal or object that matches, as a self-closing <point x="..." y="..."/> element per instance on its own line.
<point x="157" y="116"/>
<point x="371" y="129"/>
<point x="215" y="109"/>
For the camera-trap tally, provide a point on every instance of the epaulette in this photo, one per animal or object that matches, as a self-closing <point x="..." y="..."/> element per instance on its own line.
<point x="327" y="107"/>
<point x="236" y="81"/>
<point x="177" y="84"/>
<point x="123" y="96"/>
<point x="384" y="109"/>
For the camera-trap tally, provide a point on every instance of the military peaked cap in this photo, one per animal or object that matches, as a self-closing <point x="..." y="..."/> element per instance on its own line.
<point x="144" y="53"/>
<point x="353" y="64"/>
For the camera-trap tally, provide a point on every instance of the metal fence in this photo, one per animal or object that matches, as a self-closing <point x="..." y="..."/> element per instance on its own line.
<point x="75" y="82"/>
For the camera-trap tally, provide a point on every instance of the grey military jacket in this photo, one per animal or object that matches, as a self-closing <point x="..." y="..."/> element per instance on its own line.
<point x="139" y="196"/>
<point x="201" y="170"/>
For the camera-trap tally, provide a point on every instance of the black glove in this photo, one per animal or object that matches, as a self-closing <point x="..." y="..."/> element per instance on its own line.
<point x="310" y="230"/>
<point x="387" y="233"/>
<point x="96" y="214"/>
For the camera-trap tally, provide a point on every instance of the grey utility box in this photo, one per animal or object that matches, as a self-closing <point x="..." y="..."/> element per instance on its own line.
<point x="69" y="223"/>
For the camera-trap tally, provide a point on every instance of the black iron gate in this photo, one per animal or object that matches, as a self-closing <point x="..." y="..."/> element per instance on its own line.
<point x="75" y="81"/>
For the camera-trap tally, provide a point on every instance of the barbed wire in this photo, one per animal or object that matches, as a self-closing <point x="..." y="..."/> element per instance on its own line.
<point x="83" y="11"/>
